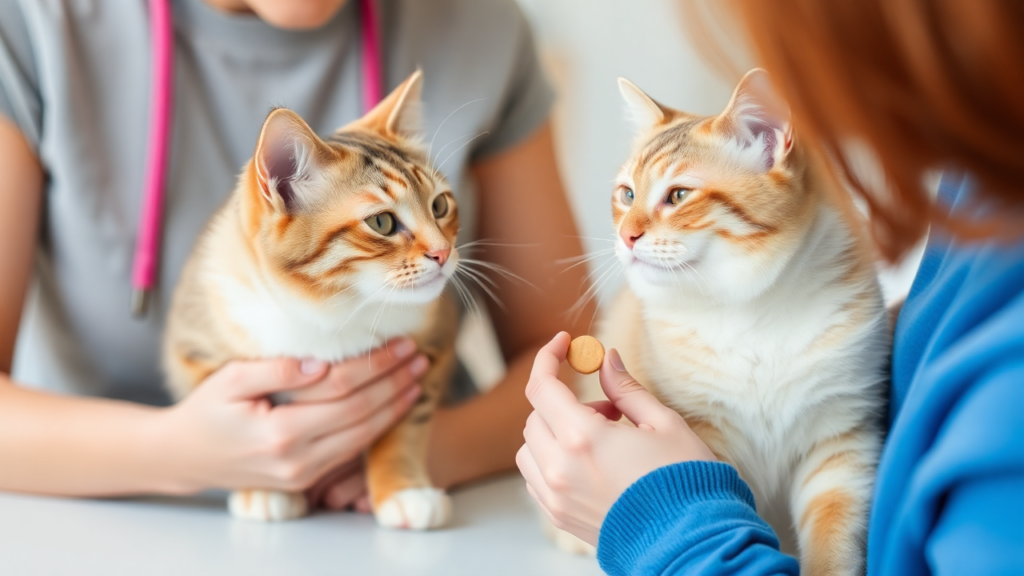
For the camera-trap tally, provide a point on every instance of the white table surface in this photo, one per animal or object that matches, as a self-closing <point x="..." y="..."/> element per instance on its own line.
<point x="495" y="531"/>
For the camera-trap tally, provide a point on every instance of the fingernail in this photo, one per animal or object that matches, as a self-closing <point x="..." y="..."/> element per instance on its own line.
<point x="413" y="392"/>
<point x="616" y="360"/>
<point x="311" y="365"/>
<point x="419" y="366"/>
<point x="404" y="347"/>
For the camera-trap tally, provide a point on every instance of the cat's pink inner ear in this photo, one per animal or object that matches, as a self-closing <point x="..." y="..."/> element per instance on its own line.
<point x="757" y="117"/>
<point x="283" y="156"/>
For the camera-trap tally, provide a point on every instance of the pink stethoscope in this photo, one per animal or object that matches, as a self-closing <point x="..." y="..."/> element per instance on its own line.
<point x="147" y="244"/>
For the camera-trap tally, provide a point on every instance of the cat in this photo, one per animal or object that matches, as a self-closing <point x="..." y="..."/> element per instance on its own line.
<point x="317" y="237"/>
<point x="753" y="309"/>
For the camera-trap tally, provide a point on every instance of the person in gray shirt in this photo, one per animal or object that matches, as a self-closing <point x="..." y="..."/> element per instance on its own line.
<point x="83" y="411"/>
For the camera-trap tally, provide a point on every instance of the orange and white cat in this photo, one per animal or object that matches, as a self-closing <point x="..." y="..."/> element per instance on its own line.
<point x="298" y="263"/>
<point x="752" y="308"/>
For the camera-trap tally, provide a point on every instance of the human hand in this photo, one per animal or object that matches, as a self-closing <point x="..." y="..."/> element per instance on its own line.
<point x="578" y="458"/>
<point x="342" y="488"/>
<point x="228" y="434"/>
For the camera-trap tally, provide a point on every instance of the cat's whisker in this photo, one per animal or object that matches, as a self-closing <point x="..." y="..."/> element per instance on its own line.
<point x="591" y="291"/>
<point x="591" y="238"/>
<point x="483" y="287"/>
<point x="436" y="168"/>
<point x="469" y="262"/>
<point x="479" y="275"/>
<point x="373" y="325"/>
<point x="584" y="259"/>
<point x="618" y="272"/>
<point x="586" y="256"/>
<point x="460" y="290"/>
<point x="456" y="151"/>
<point x="443" y="122"/>
<point x="487" y="243"/>
<point x="598" y="269"/>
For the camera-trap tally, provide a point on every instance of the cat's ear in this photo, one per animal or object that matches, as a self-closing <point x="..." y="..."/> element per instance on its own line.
<point x="758" y="120"/>
<point x="288" y="158"/>
<point x="399" y="115"/>
<point x="643" y="111"/>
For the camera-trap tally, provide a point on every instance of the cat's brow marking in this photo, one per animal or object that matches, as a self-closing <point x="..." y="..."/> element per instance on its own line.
<point x="325" y="241"/>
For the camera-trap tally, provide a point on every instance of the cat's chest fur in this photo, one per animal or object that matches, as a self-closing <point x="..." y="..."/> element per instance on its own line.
<point x="279" y="324"/>
<point x="765" y="380"/>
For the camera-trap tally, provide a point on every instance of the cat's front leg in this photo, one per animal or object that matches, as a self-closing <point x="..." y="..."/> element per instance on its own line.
<point x="401" y="492"/>
<point x="831" y="499"/>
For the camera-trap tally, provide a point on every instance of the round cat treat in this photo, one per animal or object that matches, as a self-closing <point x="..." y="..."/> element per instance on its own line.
<point x="585" y="354"/>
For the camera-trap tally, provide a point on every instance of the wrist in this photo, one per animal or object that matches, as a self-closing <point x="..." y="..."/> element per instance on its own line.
<point x="163" y="462"/>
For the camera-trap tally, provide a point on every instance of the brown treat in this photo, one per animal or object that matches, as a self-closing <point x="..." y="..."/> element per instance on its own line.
<point x="585" y="354"/>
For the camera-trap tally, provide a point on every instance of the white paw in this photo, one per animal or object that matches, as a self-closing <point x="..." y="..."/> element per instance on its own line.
<point x="267" y="505"/>
<point x="567" y="542"/>
<point x="415" y="509"/>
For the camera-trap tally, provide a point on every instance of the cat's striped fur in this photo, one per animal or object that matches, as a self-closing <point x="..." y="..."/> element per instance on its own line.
<point x="289" y="268"/>
<point x="753" y="310"/>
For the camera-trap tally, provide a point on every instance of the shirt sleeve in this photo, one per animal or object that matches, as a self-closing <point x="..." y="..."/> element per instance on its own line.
<point x="20" y="99"/>
<point x="527" y="99"/>
<point x="690" y="518"/>
<point x="980" y="525"/>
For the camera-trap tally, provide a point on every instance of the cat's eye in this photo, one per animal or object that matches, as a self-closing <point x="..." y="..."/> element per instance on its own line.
<point x="439" y="206"/>
<point x="383" y="223"/>
<point x="677" y="195"/>
<point x="626" y="195"/>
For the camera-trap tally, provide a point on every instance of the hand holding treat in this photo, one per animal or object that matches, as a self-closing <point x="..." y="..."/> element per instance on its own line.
<point x="585" y="354"/>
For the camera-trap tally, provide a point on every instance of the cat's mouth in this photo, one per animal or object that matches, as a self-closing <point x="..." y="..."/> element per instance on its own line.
<point x="662" y="265"/>
<point x="424" y="282"/>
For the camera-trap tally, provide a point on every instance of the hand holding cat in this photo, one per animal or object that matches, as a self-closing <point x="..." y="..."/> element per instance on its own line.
<point x="228" y="434"/>
<point x="578" y="458"/>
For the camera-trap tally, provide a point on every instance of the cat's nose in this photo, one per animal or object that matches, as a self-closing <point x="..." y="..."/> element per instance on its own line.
<point x="440" y="256"/>
<point x="630" y="236"/>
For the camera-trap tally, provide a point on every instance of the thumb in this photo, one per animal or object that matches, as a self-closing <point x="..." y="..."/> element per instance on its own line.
<point x="630" y="397"/>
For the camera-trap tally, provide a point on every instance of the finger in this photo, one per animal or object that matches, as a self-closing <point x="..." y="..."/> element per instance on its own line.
<point x="630" y="397"/>
<point x="318" y="492"/>
<point x="540" y="504"/>
<point x="539" y="439"/>
<point x="248" y="379"/>
<point x="343" y="494"/>
<point x="308" y="421"/>
<point x="362" y="504"/>
<point x="350" y="375"/>
<point x="605" y="408"/>
<point x="349" y="441"/>
<point x="557" y="405"/>
<point x="529" y="469"/>
<point x="550" y="356"/>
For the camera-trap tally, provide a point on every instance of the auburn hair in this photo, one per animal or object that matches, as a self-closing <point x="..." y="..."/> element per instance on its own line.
<point x="927" y="84"/>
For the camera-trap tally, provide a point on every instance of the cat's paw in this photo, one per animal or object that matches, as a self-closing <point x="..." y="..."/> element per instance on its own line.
<point x="567" y="542"/>
<point x="267" y="505"/>
<point x="415" y="509"/>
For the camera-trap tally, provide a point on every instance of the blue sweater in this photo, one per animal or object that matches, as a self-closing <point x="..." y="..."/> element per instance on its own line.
<point x="949" y="497"/>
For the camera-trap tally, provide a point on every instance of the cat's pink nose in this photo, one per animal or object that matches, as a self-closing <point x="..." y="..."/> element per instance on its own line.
<point x="630" y="236"/>
<point x="440" y="256"/>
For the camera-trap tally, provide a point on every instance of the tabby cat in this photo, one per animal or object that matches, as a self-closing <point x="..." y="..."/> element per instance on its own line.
<point x="753" y="309"/>
<point x="298" y="263"/>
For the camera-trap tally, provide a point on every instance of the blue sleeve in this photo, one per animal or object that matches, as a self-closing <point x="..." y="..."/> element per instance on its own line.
<point x="979" y="457"/>
<point x="690" y="518"/>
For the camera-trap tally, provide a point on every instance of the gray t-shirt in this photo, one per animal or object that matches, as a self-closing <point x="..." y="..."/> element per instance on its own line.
<point x="75" y="76"/>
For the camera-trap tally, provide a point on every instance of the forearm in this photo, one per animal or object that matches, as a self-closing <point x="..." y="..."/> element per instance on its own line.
<point x="690" y="518"/>
<point x="481" y="436"/>
<point x="72" y="446"/>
